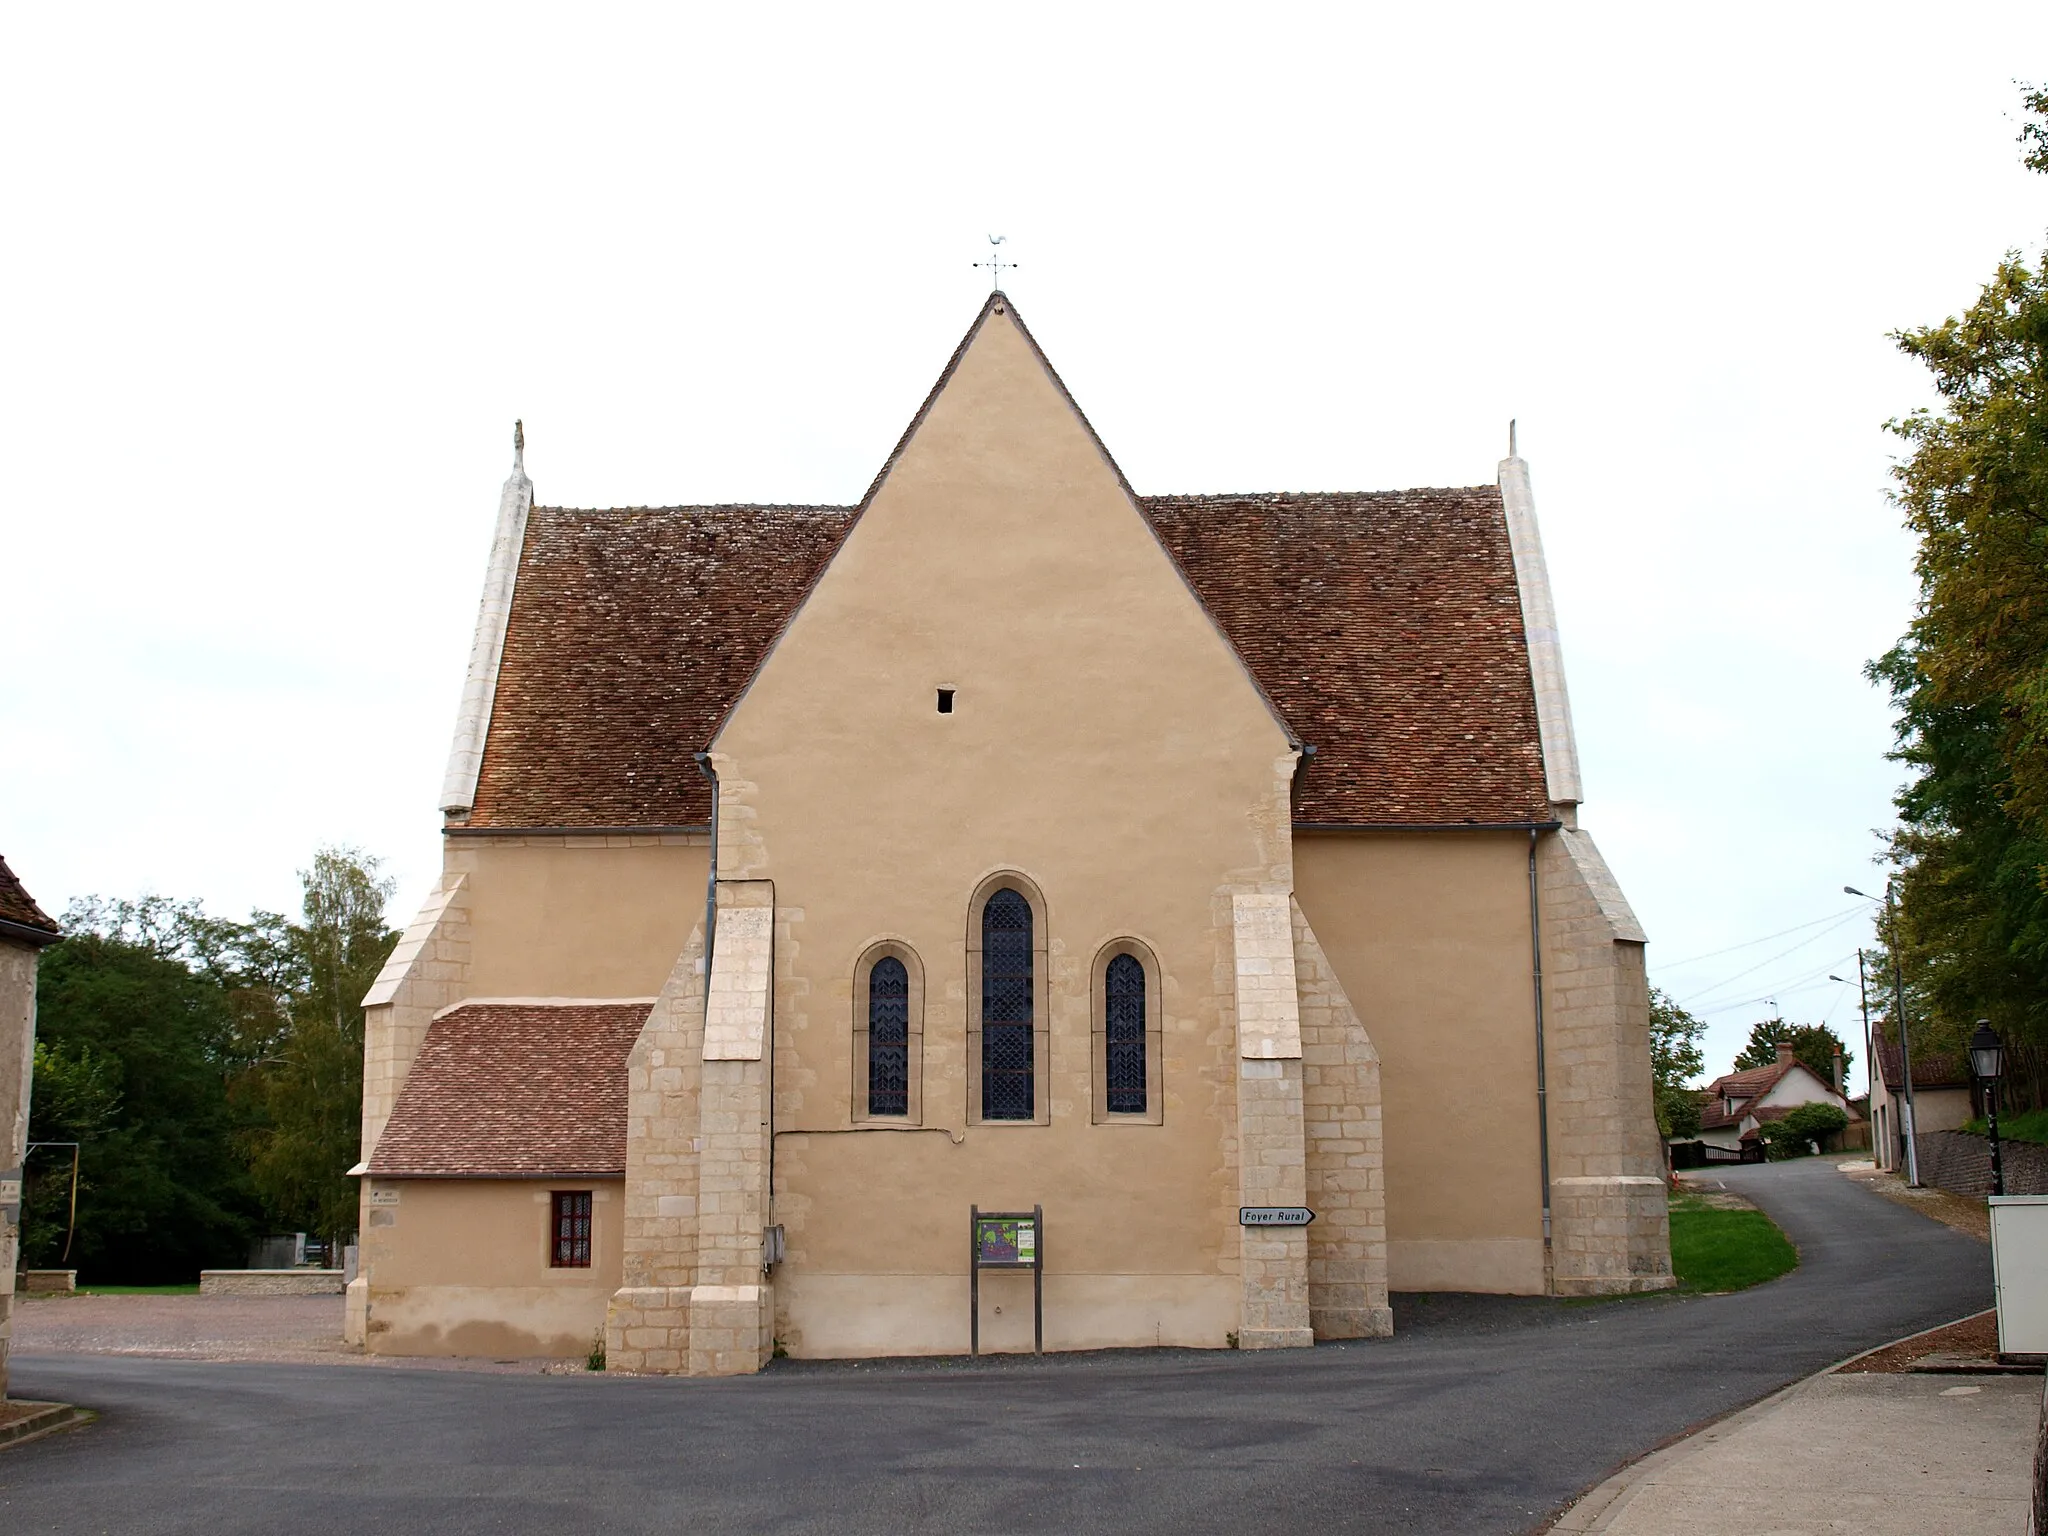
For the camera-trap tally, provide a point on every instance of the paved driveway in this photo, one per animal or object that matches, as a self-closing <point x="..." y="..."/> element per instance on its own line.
<point x="1482" y="1415"/>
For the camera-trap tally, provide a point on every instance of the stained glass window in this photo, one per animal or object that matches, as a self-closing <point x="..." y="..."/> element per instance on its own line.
<point x="1006" y="1008"/>
<point x="889" y="1037"/>
<point x="1123" y="1018"/>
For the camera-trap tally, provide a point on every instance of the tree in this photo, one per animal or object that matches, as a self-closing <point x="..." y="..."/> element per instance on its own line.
<point x="1675" y="1060"/>
<point x="211" y="1070"/>
<point x="1813" y="1047"/>
<point x="309" y="1079"/>
<point x="1970" y="677"/>
<point x="137" y="1047"/>
<point x="1798" y="1133"/>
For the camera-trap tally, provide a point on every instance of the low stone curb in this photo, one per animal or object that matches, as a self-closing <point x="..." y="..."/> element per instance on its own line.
<point x="53" y="1416"/>
<point x="1595" y="1511"/>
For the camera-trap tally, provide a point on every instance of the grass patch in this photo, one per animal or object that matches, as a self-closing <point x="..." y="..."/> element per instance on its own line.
<point x="140" y="1290"/>
<point x="1716" y="1249"/>
<point x="2032" y="1126"/>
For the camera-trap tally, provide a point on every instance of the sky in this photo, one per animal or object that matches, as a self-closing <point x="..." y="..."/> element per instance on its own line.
<point x="277" y="280"/>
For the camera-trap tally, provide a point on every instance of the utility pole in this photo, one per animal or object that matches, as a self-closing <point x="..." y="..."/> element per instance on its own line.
<point x="1891" y="915"/>
<point x="1871" y="1069"/>
<point x="1891" y="924"/>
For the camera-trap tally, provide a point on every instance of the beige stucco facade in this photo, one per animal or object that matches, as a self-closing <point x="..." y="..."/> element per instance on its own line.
<point x="1344" y="1021"/>
<point x="461" y="1267"/>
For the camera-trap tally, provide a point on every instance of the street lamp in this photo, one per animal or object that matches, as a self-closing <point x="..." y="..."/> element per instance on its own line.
<point x="1987" y="1062"/>
<point x="1907" y="1119"/>
<point x="1869" y="1056"/>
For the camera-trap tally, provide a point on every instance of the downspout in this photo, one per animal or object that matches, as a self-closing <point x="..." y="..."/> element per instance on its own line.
<point x="1542" y="1086"/>
<point x="703" y="761"/>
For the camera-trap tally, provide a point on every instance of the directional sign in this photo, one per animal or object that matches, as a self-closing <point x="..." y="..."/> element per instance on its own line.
<point x="1274" y="1215"/>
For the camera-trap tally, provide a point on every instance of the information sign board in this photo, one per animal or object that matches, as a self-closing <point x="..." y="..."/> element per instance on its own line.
<point x="1006" y="1240"/>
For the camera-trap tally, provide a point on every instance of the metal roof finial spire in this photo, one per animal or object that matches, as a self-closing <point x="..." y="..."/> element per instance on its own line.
<point x="996" y="264"/>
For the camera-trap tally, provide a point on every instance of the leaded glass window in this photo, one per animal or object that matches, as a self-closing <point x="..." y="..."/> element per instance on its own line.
<point x="1006" y="1008"/>
<point x="571" y="1224"/>
<point x="1123" y="1019"/>
<point x="889" y="1037"/>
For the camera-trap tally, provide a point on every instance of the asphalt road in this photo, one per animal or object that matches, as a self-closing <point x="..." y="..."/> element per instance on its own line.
<point x="1481" y="1415"/>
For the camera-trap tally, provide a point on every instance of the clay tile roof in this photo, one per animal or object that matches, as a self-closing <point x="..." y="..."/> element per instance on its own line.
<point x="515" y="1090"/>
<point x="20" y="917"/>
<point x="1748" y="1084"/>
<point x="1931" y="1069"/>
<point x="1714" y="1118"/>
<point x="630" y="633"/>
<point x="1385" y="626"/>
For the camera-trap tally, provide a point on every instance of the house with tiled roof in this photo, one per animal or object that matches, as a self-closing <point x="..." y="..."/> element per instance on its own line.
<point x="1183" y="877"/>
<point x="1735" y="1106"/>
<point x="25" y="931"/>
<point x="1944" y="1095"/>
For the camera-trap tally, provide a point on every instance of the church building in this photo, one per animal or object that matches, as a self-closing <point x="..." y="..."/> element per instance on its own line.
<point x="1194" y="882"/>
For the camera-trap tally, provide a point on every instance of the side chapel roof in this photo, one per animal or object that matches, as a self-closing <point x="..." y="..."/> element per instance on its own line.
<point x="20" y="918"/>
<point x="1386" y="628"/>
<point x="515" y="1090"/>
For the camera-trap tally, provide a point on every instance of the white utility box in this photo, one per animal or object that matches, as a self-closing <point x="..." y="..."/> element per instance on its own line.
<point x="2019" y="1268"/>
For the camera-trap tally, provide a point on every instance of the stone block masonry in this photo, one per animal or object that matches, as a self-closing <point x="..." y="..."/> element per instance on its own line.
<point x="270" y="1282"/>
<point x="1271" y="1149"/>
<point x="695" y="1300"/>
<point x="1345" y="1179"/>
<point x="1610" y="1231"/>
<point x="647" y="1324"/>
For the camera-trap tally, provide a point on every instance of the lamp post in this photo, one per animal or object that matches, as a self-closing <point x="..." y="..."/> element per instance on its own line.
<point x="1987" y="1062"/>
<point x="1906" y="1120"/>
<point x="1869" y="1056"/>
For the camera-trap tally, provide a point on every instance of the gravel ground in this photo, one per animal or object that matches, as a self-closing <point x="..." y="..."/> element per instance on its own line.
<point x="286" y="1330"/>
<point x="1973" y="1339"/>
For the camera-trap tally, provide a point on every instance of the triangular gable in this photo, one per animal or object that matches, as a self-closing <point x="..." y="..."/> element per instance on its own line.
<point x="998" y="305"/>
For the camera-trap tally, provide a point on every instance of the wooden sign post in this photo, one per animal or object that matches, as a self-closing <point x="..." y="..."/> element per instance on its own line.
<point x="1006" y="1240"/>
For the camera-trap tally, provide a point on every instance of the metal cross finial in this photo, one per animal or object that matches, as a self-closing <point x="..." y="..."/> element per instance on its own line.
<point x="995" y="263"/>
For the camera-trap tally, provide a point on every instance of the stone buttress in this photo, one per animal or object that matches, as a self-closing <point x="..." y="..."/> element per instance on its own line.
<point x="696" y="1299"/>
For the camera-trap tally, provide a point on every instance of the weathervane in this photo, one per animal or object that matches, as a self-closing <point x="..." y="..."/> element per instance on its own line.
<point x="995" y="263"/>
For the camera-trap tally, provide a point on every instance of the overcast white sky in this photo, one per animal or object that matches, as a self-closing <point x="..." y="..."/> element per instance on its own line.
<point x="276" y="280"/>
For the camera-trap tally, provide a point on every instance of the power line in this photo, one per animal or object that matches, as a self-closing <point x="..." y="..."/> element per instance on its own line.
<point x="1784" y="989"/>
<point x="1773" y="960"/>
<point x="1672" y="965"/>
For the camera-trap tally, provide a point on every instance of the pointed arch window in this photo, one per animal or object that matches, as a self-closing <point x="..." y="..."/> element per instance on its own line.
<point x="1008" y="1060"/>
<point x="888" y="1033"/>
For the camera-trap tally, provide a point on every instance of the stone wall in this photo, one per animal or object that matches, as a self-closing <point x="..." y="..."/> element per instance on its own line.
<point x="647" y="1325"/>
<point x="1958" y="1161"/>
<point x="270" y="1282"/>
<point x="17" y="1046"/>
<point x="1610" y="1230"/>
<point x="1271" y="1151"/>
<point x="1346" y="1184"/>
